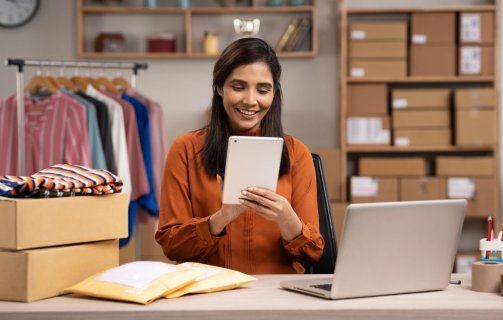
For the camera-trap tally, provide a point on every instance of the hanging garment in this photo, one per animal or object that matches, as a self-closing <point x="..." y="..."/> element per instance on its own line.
<point x="59" y="181"/>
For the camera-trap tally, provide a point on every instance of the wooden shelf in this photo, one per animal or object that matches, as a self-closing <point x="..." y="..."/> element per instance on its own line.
<point x="377" y="148"/>
<point x="178" y="55"/>
<point x="195" y="10"/>
<point x="387" y="10"/>
<point x="422" y="79"/>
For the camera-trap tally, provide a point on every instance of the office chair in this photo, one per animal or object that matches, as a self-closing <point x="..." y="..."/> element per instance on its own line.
<point x="326" y="263"/>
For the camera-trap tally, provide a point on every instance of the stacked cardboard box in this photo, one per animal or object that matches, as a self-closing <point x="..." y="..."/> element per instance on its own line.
<point x="421" y="117"/>
<point x="475" y="117"/>
<point x="378" y="49"/>
<point x="433" y="51"/>
<point x="47" y="245"/>
<point x="476" y="37"/>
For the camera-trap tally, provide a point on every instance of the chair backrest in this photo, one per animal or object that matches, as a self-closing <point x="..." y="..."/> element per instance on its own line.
<point x="326" y="263"/>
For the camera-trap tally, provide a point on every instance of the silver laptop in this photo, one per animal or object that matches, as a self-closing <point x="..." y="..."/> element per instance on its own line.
<point x="391" y="248"/>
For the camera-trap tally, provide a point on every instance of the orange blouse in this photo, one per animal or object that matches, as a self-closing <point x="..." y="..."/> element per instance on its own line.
<point x="250" y="244"/>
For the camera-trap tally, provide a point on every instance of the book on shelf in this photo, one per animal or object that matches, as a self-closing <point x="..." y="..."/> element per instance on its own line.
<point x="290" y="28"/>
<point x="298" y="35"/>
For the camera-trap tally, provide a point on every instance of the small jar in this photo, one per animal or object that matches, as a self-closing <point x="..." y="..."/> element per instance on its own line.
<point x="210" y="43"/>
<point x="184" y="3"/>
<point x="274" y="3"/>
<point x="297" y="2"/>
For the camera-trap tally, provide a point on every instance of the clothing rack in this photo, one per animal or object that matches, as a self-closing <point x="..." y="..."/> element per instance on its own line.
<point x="22" y="63"/>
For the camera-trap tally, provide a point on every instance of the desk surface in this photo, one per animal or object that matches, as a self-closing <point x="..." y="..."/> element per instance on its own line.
<point x="263" y="299"/>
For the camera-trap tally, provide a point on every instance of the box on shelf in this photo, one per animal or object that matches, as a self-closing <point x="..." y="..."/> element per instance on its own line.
<point x="433" y="60"/>
<point x="476" y="60"/>
<point x="407" y="119"/>
<point x="420" y="98"/>
<point x="422" y="188"/>
<point x="338" y="217"/>
<point x="422" y="137"/>
<point x="476" y="27"/>
<point x="368" y="130"/>
<point x="373" y="189"/>
<point x="377" y="68"/>
<point x="34" y="223"/>
<point x="478" y="191"/>
<point x="367" y="100"/>
<point x="35" y="274"/>
<point x="406" y="166"/>
<point x="432" y="28"/>
<point x="162" y="42"/>
<point x="382" y="30"/>
<point x="474" y="98"/>
<point x="332" y="169"/>
<point x="465" y="166"/>
<point x="475" y="127"/>
<point x="378" y="50"/>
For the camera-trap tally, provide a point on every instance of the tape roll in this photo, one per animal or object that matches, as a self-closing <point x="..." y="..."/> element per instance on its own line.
<point x="486" y="277"/>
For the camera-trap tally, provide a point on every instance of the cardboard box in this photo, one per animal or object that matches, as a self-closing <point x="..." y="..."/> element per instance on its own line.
<point x="331" y="159"/>
<point x="420" y="98"/>
<point x="368" y="130"/>
<point x="377" y="68"/>
<point x="382" y="31"/>
<point x="35" y="223"/>
<point x="36" y="274"/>
<point x="465" y="260"/>
<point x="474" y="98"/>
<point x="476" y="127"/>
<point x="423" y="188"/>
<point x="367" y="100"/>
<point x="476" y="27"/>
<point x="433" y="60"/>
<point x="465" y="166"/>
<point x="422" y="137"/>
<point x="378" y="49"/>
<point x="433" y="28"/>
<point x="338" y="217"/>
<point x="411" y="166"/>
<point x="478" y="191"/>
<point x="476" y="60"/>
<point x="407" y="119"/>
<point x="373" y="189"/>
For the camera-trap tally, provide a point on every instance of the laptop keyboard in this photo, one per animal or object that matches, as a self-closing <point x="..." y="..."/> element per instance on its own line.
<point x="327" y="286"/>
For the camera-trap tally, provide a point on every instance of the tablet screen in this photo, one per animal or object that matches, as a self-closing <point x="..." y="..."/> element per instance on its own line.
<point x="251" y="162"/>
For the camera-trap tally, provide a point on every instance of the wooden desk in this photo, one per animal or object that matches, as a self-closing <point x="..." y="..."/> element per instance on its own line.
<point x="264" y="299"/>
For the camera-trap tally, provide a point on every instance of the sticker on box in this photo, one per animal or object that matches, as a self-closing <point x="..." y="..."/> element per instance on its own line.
<point x="471" y="60"/>
<point x="358" y="34"/>
<point x="357" y="72"/>
<point x="364" y="187"/>
<point x="400" y="103"/>
<point x="366" y="130"/>
<point x="402" y="141"/>
<point x="470" y="27"/>
<point x="419" y="38"/>
<point x="460" y="188"/>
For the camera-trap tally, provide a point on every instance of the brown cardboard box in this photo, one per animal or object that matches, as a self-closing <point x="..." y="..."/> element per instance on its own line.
<point x="476" y="60"/>
<point x="367" y="100"/>
<point x="432" y="60"/>
<point x="404" y="119"/>
<point x="378" y="49"/>
<point x="465" y="166"/>
<point x="422" y="137"/>
<point x="338" y="217"/>
<point x="411" y="166"/>
<point x="36" y="274"/>
<point x="474" y="98"/>
<point x="332" y="169"/>
<point x="483" y="204"/>
<point x="475" y="127"/>
<point x="395" y="30"/>
<point x="476" y="27"/>
<point x="368" y="130"/>
<point x="433" y="28"/>
<point x="35" y="223"/>
<point x="385" y="190"/>
<point x="377" y="68"/>
<point x="423" y="188"/>
<point x="465" y="260"/>
<point x="420" y="98"/>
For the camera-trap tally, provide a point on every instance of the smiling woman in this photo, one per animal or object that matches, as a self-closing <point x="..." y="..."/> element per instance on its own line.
<point x="277" y="231"/>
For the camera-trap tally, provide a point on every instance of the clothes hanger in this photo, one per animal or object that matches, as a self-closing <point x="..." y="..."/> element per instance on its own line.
<point x="65" y="82"/>
<point x="120" y="82"/>
<point x="104" y="82"/>
<point x="39" y="82"/>
<point x="80" y="82"/>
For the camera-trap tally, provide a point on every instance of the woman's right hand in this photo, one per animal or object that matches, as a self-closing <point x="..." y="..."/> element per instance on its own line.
<point x="224" y="216"/>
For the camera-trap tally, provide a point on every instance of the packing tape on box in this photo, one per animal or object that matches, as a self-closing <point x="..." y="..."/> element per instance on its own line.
<point x="486" y="277"/>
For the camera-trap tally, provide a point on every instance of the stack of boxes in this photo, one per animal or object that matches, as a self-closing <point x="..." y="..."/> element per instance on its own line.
<point x="47" y="245"/>
<point x="475" y="114"/>
<point x="476" y="38"/>
<point x="378" y="49"/>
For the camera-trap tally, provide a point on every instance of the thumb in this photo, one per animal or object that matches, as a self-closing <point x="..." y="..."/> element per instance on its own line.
<point x="220" y="182"/>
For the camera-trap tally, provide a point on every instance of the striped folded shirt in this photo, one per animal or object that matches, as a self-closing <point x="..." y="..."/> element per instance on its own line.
<point x="61" y="180"/>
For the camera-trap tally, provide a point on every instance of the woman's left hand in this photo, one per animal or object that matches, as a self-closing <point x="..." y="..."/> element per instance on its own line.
<point x="274" y="207"/>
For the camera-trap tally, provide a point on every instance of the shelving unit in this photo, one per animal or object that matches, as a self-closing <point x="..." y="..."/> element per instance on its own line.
<point x="351" y="153"/>
<point x="273" y="21"/>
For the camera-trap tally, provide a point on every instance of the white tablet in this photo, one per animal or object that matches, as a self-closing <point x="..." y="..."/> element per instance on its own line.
<point x="251" y="162"/>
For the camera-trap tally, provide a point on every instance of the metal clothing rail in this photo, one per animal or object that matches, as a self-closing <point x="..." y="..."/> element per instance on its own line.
<point x="22" y="63"/>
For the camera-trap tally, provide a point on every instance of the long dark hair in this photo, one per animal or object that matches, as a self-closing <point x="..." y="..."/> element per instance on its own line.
<point x="241" y="52"/>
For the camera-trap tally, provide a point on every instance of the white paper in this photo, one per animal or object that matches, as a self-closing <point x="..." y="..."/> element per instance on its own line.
<point x="136" y="274"/>
<point x="358" y="34"/>
<point x="364" y="187"/>
<point x="460" y="188"/>
<point x="470" y="60"/>
<point x="357" y="72"/>
<point x="419" y="38"/>
<point x="470" y="27"/>
<point x="366" y="130"/>
<point x="464" y="264"/>
<point x="400" y="103"/>
<point x="402" y="141"/>
<point x="207" y="272"/>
